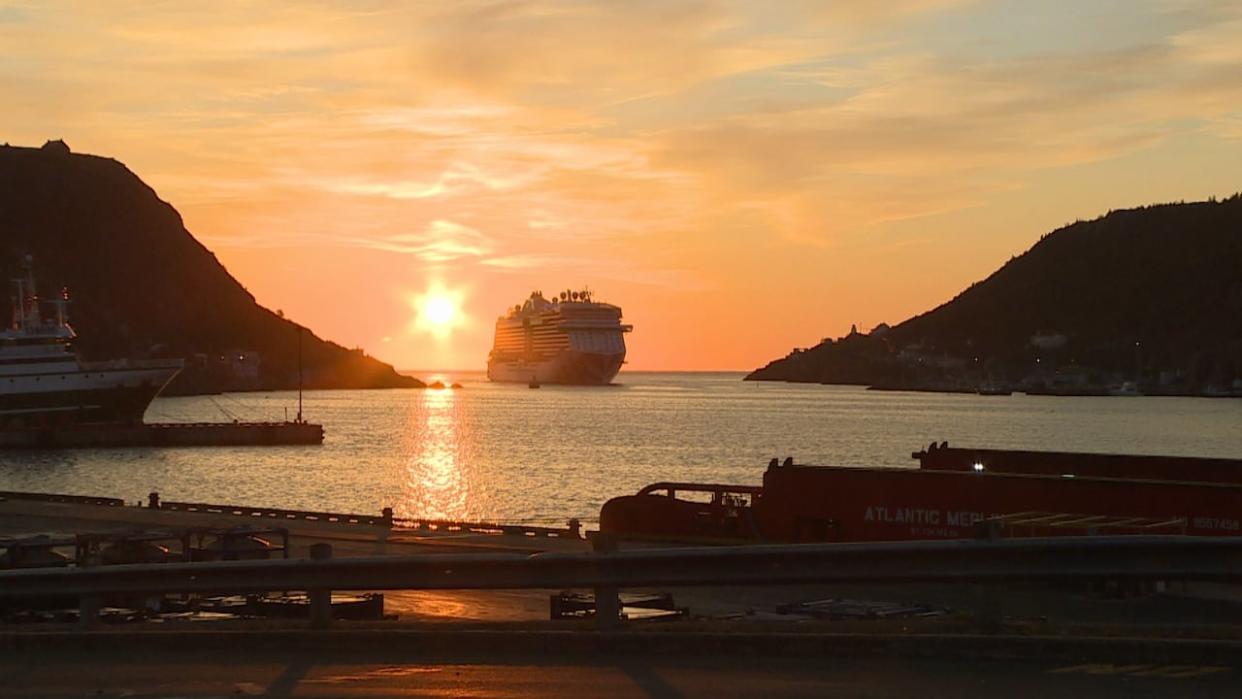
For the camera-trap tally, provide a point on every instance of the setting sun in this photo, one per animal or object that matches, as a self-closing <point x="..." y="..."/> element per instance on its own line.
<point x="437" y="311"/>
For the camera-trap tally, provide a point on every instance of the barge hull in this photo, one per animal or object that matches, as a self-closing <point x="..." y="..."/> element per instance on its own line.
<point x="816" y="503"/>
<point x="1160" y="468"/>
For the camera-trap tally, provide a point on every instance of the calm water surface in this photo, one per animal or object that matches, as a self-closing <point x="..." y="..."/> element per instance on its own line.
<point x="506" y="452"/>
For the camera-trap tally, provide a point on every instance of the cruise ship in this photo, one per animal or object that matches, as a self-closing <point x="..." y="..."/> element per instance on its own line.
<point x="44" y="384"/>
<point x="567" y="339"/>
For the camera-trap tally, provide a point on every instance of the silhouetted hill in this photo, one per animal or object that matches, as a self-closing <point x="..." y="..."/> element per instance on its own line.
<point x="1150" y="295"/>
<point x="142" y="286"/>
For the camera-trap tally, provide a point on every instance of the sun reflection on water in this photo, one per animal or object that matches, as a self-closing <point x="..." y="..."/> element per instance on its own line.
<point x="437" y="485"/>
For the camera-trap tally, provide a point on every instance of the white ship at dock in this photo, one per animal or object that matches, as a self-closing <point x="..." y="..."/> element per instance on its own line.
<point x="44" y="384"/>
<point x="567" y="339"/>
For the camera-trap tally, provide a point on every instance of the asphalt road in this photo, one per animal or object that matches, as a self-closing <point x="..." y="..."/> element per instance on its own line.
<point x="115" y="673"/>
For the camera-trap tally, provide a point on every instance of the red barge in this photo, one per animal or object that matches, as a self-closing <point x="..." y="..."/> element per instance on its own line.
<point x="952" y="495"/>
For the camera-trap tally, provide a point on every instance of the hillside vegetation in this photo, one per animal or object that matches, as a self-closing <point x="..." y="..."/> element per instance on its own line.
<point x="142" y="286"/>
<point x="1150" y="296"/>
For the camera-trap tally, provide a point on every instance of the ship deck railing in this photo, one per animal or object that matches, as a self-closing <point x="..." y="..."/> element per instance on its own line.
<point x="131" y="364"/>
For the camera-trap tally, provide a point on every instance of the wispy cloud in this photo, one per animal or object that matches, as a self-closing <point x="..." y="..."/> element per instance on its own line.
<point x="440" y="241"/>
<point x="714" y="144"/>
<point x="599" y="271"/>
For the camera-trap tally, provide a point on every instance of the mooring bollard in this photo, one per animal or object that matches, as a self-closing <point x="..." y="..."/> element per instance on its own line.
<point x="320" y="600"/>
<point x="607" y="601"/>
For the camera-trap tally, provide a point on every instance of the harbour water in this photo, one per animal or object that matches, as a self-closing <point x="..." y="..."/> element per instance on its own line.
<point x="506" y="452"/>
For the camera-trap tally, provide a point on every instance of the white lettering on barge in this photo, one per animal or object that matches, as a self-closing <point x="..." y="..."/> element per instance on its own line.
<point x="902" y="515"/>
<point x="1229" y="525"/>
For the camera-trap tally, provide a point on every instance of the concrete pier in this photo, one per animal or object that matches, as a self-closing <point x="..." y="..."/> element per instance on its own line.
<point x="200" y="434"/>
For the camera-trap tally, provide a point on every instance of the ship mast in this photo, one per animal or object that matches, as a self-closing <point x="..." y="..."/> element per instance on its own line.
<point x="30" y="314"/>
<point x="19" y="301"/>
<point x="62" y="317"/>
<point x="299" y="374"/>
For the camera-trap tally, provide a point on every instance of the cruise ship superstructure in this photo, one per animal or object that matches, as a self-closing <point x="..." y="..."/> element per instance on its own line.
<point x="567" y="339"/>
<point x="43" y="383"/>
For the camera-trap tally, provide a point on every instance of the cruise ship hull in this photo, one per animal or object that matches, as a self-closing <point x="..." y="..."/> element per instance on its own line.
<point x="107" y="395"/>
<point x="568" y="367"/>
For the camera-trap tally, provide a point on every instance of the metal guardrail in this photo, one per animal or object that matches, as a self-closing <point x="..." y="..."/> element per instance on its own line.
<point x="445" y="525"/>
<point x="672" y="488"/>
<point x="385" y="519"/>
<point x="60" y="497"/>
<point x="1060" y="558"/>
<point x="234" y="423"/>
<point x="274" y="513"/>
<point x="962" y="561"/>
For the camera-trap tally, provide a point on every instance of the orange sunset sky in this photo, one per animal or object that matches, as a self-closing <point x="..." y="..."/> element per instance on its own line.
<point x="741" y="177"/>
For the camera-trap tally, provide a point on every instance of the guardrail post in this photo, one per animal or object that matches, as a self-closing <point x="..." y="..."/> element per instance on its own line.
<point x="89" y="604"/>
<point x="320" y="600"/>
<point x="607" y="601"/>
<point x="989" y="615"/>
<point x="381" y="539"/>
